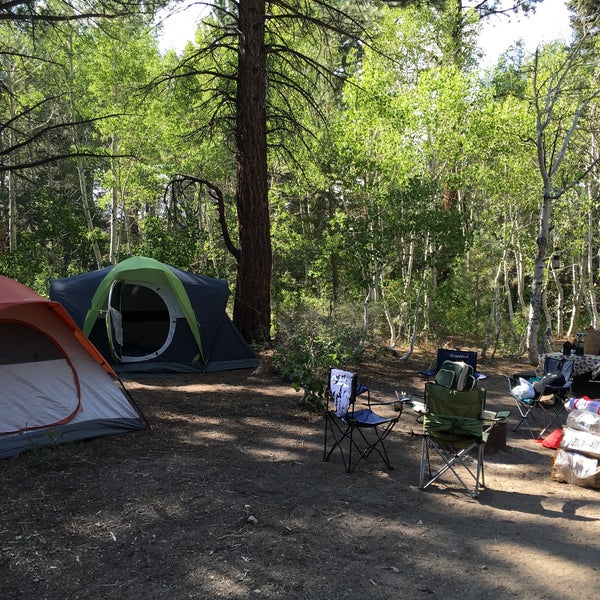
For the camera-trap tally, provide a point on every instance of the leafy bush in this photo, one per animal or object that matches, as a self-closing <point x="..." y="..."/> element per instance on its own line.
<point x="307" y="345"/>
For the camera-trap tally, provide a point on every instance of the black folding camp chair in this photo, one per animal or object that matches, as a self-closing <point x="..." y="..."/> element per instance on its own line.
<point x="444" y="354"/>
<point x="356" y="432"/>
<point x="456" y="427"/>
<point x="546" y="408"/>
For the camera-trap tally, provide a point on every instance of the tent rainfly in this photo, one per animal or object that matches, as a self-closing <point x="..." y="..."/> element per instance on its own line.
<point x="143" y="315"/>
<point x="56" y="387"/>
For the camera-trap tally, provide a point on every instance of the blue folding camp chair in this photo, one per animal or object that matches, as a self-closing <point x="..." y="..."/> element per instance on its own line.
<point x="546" y="408"/>
<point x="356" y="433"/>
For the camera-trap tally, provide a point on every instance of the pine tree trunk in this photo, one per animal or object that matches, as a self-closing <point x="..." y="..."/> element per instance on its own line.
<point x="252" y="305"/>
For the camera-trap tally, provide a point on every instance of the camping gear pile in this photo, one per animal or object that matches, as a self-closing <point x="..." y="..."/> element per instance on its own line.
<point x="577" y="460"/>
<point x="456" y="375"/>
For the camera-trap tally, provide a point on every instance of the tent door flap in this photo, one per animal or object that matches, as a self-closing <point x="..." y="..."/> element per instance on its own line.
<point x="114" y="319"/>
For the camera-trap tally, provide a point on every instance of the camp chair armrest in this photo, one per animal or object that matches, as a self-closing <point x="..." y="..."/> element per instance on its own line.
<point x="384" y="402"/>
<point x="495" y="417"/>
<point x="402" y="400"/>
<point x="502" y="415"/>
<point x="398" y="403"/>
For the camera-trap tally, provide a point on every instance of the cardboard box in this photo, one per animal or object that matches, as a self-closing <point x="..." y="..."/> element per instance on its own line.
<point x="581" y="442"/>
<point x="591" y="341"/>
<point x="571" y="467"/>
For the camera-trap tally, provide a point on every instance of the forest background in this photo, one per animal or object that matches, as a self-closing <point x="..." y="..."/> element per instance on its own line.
<point x="412" y="196"/>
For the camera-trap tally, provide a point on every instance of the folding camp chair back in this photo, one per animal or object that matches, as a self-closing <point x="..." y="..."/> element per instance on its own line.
<point x="456" y="427"/>
<point x="545" y="409"/>
<point x="356" y="433"/>
<point x="463" y="356"/>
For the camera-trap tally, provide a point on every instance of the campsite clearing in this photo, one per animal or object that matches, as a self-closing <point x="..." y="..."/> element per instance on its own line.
<point x="228" y="497"/>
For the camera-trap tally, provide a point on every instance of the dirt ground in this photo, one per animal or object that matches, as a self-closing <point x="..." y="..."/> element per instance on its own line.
<point x="228" y="497"/>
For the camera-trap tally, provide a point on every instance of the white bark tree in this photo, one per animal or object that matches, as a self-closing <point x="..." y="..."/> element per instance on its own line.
<point x="562" y="101"/>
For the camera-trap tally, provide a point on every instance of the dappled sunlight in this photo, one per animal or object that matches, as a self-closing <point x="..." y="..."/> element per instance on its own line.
<point x="279" y="454"/>
<point x="215" y="584"/>
<point x="268" y="446"/>
<point x="202" y="391"/>
<point x="215" y="435"/>
<point x="263" y="424"/>
<point x="525" y="557"/>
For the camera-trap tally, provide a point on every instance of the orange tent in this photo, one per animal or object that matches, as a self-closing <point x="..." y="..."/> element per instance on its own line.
<point x="56" y="387"/>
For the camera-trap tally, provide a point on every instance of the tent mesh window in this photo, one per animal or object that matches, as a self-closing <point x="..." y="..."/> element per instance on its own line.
<point x="22" y="344"/>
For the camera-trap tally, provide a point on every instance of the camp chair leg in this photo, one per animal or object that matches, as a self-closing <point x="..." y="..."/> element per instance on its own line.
<point x="451" y="463"/>
<point x="551" y="416"/>
<point x="346" y="432"/>
<point x="524" y="421"/>
<point x="339" y="434"/>
<point x="425" y="463"/>
<point x="528" y="419"/>
<point x="376" y="444"/>
<point x="556" y="411"/>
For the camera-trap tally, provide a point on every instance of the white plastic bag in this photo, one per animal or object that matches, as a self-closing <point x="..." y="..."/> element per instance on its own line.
<point x="584" y="420"/>
<point x="524" y="389"/>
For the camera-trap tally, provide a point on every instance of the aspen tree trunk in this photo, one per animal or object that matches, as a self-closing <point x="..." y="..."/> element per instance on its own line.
<point x="86" y="209"/>
<point x="575" y="305"/>
<point x="509" y="303"/>
<point x="591" y="288"/>
<point x="548" y="340"/>
<point x="560" y="301"/>
<point x="12" y="188"/>
<point x="537" y="284"/>
<point x="114" y="208"/>
<point x="12" y="212"/>
<point x="544" y="105"/>
<point x="493" y="326"/>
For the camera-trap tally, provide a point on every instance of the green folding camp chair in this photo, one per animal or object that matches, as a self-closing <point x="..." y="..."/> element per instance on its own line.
<point x="456" y="427"/>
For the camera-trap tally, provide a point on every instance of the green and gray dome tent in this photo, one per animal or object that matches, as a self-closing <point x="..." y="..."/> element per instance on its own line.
<point x="143" y="315"/>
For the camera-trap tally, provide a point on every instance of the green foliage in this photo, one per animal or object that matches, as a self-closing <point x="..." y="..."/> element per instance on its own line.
<point x="417" y="182"/>
<point x="309" y="343"/>
<point x="53" y="244"/>
<point x="177" y="249"/>
<point x="455" y="310"/>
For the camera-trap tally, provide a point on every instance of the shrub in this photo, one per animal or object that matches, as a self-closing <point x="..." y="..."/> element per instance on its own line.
<point x="307" y="346"/>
